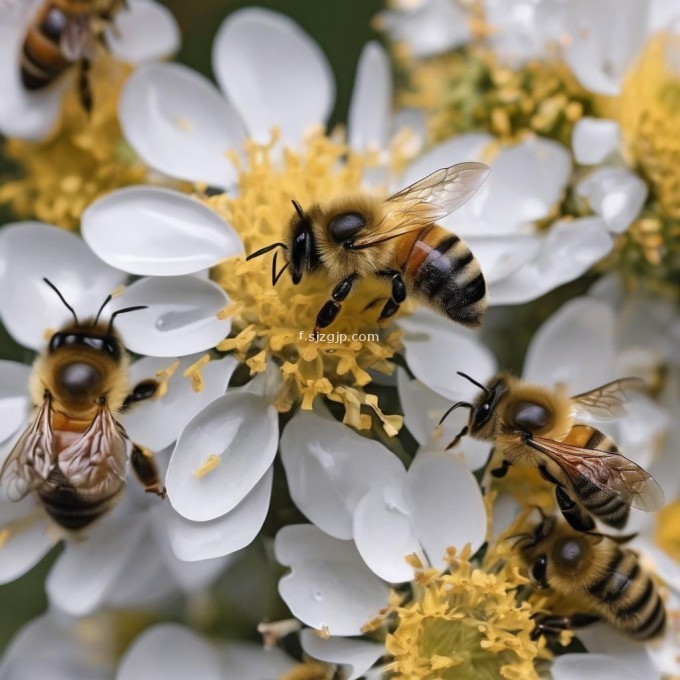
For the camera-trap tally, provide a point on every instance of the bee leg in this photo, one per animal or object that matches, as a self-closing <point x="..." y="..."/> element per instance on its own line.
<point x="398" y="294"/>
<point x="145" y="468"/>
<point x="492" y="469"/>
<point x="84" y="86"/>
<point x="577" y="518"/>
<point x="552" y="625"/>
<point x="140" y="392"/>
<point x="330" y="310"/>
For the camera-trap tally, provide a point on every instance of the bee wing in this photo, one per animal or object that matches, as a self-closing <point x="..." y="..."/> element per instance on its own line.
<point x="606" y="402"/>
<point x="97" y="459"/>
<point x="609" y="472"/>
<point x="426" y="201"/>
<point x="76" y="40"/>
<point x="30" y="460"/>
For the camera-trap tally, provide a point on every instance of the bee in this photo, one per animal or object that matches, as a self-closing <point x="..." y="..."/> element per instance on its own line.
<point x="73" y="455"/>
<point x="598" y="574"/>
<point x="533" y="426"/>
<point x="63" y="33"/>
<point x="396" y="239"/>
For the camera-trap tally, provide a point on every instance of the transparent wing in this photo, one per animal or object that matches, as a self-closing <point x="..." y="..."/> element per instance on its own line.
<point x="97" y="460"/>
<point x="606" y="402"/>
<point x="30" y="460"/>
<point x="426" y="201"/>
<point x="76" y="40"/>
<point x="609" y="472"/>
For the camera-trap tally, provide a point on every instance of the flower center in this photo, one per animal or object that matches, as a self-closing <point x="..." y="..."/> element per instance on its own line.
<point x="276" y="322"/>
<point x="83" y="159"/>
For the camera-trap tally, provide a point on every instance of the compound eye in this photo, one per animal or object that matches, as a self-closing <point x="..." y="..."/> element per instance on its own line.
<point x="529" y="416"/>
<point x="344" y="227"/>
<point x="482" y="414"/>
<point x="538" y="570"/>
<point x="79" y="378"/>
<point x="56" y="341"/>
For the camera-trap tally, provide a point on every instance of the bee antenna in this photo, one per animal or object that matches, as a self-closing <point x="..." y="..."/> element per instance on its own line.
<point x="464" y="404"/>
<point x="298" y="209"/>
<point x="123" y="311"/>
<point x="61" y="297"/>
<point x="101" y="309"/>
<point x="266" y="249"/>
<point x="474" y="382"/>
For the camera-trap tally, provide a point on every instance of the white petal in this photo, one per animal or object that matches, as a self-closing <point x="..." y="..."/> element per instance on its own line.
<point x="436" y="348"/>
<point x="447" y="509"/>
<point x="143" y="31"/>
<point x="180" y="124"/>
<point x="641" y="429"/>
<point x="27" y="305"/>
<point x="28" y="536"/>
<point x="501" y="256"/>
<point x="172" y="652"/>
<point x="157" y="423"/>
<point x="616" y="195"/>
<point x="251" y="661"/>
<point x="181" y="318"/>
<point x="574" y="347"/>
<point x="431" y="28"/>
<point x="14" y="401"/>
<point x="602" y="41"/>
<point x="383" y="534"/>
<point x="273" y="73"/>
<point x="84" y="572"/>
<point x="593" y="139"/>
<point x="28" y="115"/>
<point x="49" y="647"/>
<point x="192" y="541"/>
<point x="569" y="250"/>
<point x="157" y="232"/>
<point x="329" y="584"/>
<point x="526" y="181"/>
<point x="600" y="666"/>
<point x="356" y="655"/>
<point x="329" y="468"/>
<point x="241" y="432"/>
<point x="371" y="107"/>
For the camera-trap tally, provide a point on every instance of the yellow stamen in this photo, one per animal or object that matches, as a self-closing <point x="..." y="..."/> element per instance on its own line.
<point x="164" y="376"/>
<point x="210" y="464"/>
<point x="324" y="633"/>
<point x="194" y="373"/>
<point x="4" y="536"/>
<point x="117" y="292"/>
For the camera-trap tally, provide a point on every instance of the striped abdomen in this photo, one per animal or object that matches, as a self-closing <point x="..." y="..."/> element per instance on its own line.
<point x="607" y="506"/>
<point x="444" y="273"/>
<point x="70" y="509"/>
<point x="42" y="60"/>
<point x="628" y="598"/>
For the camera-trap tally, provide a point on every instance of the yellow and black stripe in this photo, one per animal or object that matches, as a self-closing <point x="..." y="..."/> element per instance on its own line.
<point x="628" y="598"/>
<point x="443" y="271"/>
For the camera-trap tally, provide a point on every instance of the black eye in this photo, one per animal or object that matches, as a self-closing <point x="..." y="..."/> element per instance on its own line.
<point x="538" y="570"/>
<point x="481" y="414"/>
<point x="530" y="416"/>
<point x="343" y="227"/>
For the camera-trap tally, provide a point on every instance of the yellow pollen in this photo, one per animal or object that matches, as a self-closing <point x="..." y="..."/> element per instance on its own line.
<point x="164" y="376"/>
<point x="324" y="633"/>
<point x="5" y="534"/>
<point x="117" y="292"/>
<point x="667" y="532"/>
<point x="194" y="373"/>
<point x="84" y="158"/>
<point x="275" y="323"/>
<point x="310" y="670"/>
<point x="210" y="464"/>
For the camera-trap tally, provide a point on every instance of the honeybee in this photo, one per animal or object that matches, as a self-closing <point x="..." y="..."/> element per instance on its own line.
<point x="359" y="235"/>
<point x="63" y="33"/>
<point x="73" y="454"/>
<point x="533" y="426"/>
<point x="599" y="575"/>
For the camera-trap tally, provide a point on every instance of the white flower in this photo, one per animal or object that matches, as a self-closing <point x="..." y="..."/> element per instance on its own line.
<point x="144" y="31"/>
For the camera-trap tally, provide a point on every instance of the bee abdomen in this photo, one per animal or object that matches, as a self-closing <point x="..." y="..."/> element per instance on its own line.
<point x="41" y="57"/>
<point x="605" y="505"/>
<point x="629" y="598"/>
<point x="441" y="267"/>
<point x="70" y="509"/>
